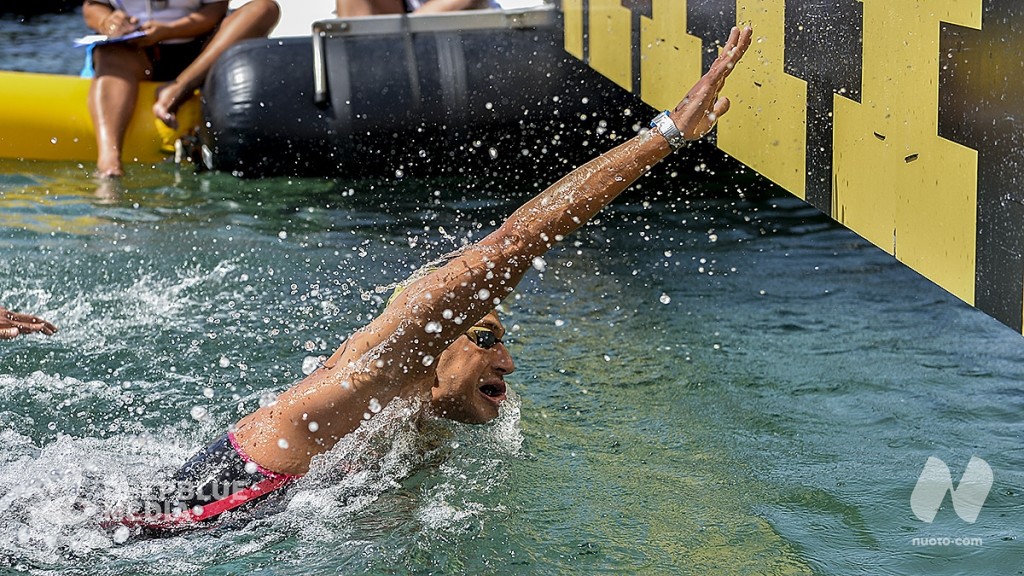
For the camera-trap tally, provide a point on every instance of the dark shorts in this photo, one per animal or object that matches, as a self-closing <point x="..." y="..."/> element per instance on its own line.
<point x="218" y="479"/>
<point x="170" y="59"/>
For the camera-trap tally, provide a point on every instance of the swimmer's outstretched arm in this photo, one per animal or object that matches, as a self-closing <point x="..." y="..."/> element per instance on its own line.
<point x="394" y="355"/>
<point x="495" y="265"/>
<point x="468" y="287"/>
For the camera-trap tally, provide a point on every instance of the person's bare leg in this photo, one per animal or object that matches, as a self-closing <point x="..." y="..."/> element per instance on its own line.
<point x="254" y="20"/>
<point x="349" y="8"/>
<point x="112" y="95"/>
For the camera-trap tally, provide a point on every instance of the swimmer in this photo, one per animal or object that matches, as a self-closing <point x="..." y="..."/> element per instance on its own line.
<point x="439" y="341"/>
<point x="14" y="324"/>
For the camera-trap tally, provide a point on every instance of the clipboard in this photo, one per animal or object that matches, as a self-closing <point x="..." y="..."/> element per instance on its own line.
<point x="100" y="39"/>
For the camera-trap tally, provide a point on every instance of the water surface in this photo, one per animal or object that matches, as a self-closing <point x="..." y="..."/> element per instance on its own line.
<point x="732" y="385"/>
<point x="712" y="378"/>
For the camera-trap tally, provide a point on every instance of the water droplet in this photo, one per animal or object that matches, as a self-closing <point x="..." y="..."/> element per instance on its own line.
<point x="251" y="468"/>
<point x="121" y="534"/>
<point x="665" y="298"/>
<point x="224" y="362"/>
<point x="432" y="327"/>
<point x="208" y="392"/>
<point x="313" y="426"/>
<point x="268" y="399"/>
<point x="428" y="360"/>
<point x="492" y="152"/>
<point x="282" y="234"/>
<point x="282" y="443"/>
<point x="483" y="294"/>
<point x="539" y="264"/>
<point x="310" y="364"/>
<point x="198" y="412"/>
<point x="375" y="406"/>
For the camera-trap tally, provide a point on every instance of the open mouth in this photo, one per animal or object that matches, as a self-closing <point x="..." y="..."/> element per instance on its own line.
<point x="495" y="391"/>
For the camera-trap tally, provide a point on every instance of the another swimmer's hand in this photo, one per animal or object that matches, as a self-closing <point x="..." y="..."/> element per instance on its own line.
<point x="696" y="115"/>
<point x="12" y="324"/>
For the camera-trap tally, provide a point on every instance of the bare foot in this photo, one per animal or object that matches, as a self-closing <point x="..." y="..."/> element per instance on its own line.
<point x="169" y="98"/>
<point x="108" y="173"/>
<point x="108" y="165"/>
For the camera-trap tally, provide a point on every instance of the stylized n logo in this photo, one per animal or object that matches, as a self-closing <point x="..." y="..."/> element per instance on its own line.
<point x="935" y="481"/>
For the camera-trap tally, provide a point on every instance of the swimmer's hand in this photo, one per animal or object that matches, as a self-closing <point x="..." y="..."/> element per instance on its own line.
<point x="696" y="115"/>
<point x="13" y="324"/>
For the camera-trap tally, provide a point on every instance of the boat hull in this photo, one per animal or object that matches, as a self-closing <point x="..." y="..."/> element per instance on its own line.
<point x="408" y="95"/>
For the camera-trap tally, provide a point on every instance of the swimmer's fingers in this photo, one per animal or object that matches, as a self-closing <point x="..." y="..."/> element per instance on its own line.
<point x="702" y="107"/>
<point x="13" y="323"/>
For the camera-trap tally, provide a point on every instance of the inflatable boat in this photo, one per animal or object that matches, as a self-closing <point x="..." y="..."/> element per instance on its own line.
<point x="384" y="94"/>
<point x="46" y="117"/>
<point x="408" y="95"/>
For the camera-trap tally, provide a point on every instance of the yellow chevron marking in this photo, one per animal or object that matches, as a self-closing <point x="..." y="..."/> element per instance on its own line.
<point x="611" y="42"/>
<point x="897" y="183"/>
<point x="670" y="59"/>
<point x="766" y="127"/>
<point x="572" y="14"/>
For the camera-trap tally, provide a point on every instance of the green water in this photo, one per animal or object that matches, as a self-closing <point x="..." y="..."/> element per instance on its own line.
<point x="704" y="386"/>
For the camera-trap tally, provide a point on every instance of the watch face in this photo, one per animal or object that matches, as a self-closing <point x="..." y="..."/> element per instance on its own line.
<point x="667" y="128"/>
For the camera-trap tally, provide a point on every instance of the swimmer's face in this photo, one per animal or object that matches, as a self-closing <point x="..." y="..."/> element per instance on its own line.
<point x="470" y="379"/>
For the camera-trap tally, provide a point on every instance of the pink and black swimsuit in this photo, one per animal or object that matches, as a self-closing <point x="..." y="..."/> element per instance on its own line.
<point x="218" y="479"/>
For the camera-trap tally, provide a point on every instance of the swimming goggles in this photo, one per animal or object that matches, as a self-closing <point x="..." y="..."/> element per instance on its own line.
<point x="483" y="337"/>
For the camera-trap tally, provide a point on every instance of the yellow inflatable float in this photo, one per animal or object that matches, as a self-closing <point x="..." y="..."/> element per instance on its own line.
<point x="46" y="117"/>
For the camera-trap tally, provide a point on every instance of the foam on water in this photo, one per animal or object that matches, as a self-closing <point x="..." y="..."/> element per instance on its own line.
<point x="54" y="496"/>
